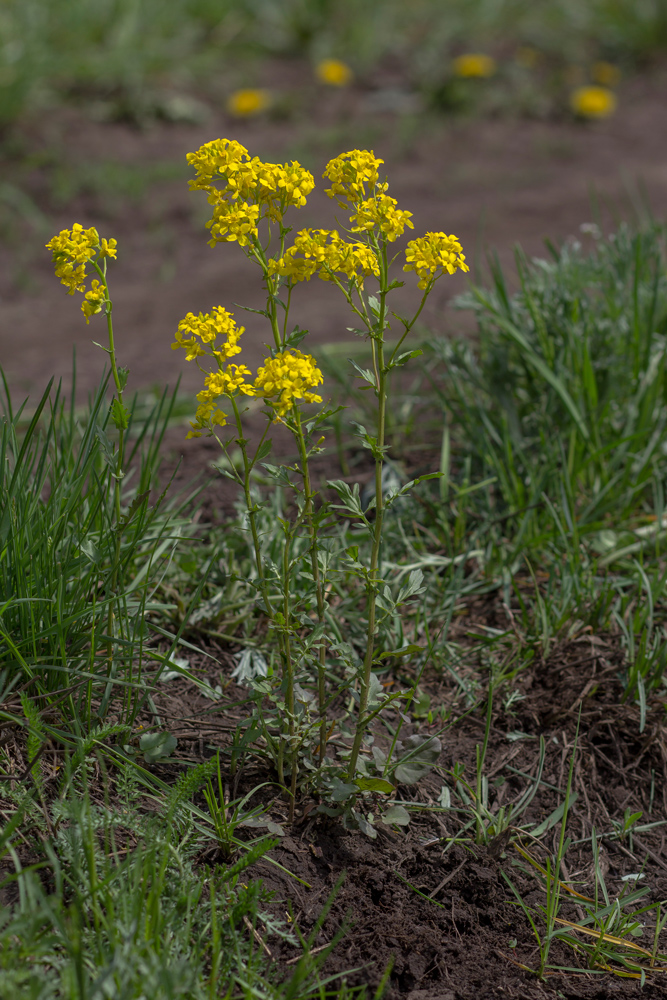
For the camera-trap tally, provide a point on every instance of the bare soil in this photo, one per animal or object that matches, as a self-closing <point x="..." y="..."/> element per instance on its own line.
<point x="469" y="939"/>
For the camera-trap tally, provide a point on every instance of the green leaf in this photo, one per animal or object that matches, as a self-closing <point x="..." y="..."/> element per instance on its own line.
<point x="157" y="746"/>
<point x="341" y="790"/>
<point x="122" y="377"/>
<point x="374" y="785"/>
<point x="396" y="814"/>
<point x="120" y="415"/>
<point x="419" y="754"/>
<point x="408" y="650"/>
<point x="364" y="373"/>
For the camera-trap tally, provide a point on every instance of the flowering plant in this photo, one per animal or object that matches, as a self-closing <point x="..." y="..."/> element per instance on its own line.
<point x="249" y="200"/>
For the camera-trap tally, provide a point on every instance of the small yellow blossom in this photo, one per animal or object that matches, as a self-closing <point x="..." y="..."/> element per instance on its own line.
<point x="94" y="300"/>
<point x="433" y="254"/>
<point x="593" y="102"/>
<point x="605" y="73"/>
<point x="354" y="176"/>
<point x="325" y="253"/>
<point x="207" y="327"/>
<point x="108" y="248"/>
<point x="381" y="212"/>
<point x="288" y="376"/>
<point x="246" y="103"/>
<point x="474" y="64"/>
<point x="334" y="72"/>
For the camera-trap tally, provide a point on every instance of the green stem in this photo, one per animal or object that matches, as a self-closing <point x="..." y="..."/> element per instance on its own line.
<point x="377" y="342"/>
<point x="288" y="672"/>
<point x="250" y="507"/>
<point x="319" y="589"/>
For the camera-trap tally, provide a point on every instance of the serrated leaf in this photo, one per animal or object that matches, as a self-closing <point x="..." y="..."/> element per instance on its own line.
<point x="396" y="814"/>
<point x="374" y="785"/>
<point x="120" y="415"/>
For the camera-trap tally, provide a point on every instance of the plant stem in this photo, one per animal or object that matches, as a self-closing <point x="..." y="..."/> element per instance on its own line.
<point x="317" y="577"/>
<point x="377" y="341"/>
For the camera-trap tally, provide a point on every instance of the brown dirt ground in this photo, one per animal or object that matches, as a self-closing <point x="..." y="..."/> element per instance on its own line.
<point x="493" y="183"/>
<point x="472" y="940"/>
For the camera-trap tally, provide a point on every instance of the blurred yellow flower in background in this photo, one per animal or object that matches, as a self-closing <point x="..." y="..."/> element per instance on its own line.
<point x="605" y="74"/>
<point x="593" y="102"/>
<point x="334" y="72"/>
<point x="245" y="103"/>
<point x="474" y="64"/>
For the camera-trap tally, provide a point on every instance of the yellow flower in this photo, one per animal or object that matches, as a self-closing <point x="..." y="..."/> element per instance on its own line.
<point x="288" y="376"/>
<point x="325" y="253"/>
<point x="381" y="212"/>
<point x="433" y="254"/>
<point x="249" y="189"/>
<point x="351" y="174"/>
<point x="94" y="300"/>
<point x="593" y="102"/>
<point x="72" y="249"/>
<point x="474" y="64"/>
<point x="334" y="72"/>
<point x="246" y="103"/>
<point x="226" y="383"/>
<point x="207" y="327"/>
<point x="233" y="223"/>
<point x="108" y="248"/>
<point x="605" y="73"/>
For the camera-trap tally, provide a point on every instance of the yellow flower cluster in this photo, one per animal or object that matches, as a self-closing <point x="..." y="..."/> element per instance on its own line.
<point x="593" y="102"/>
<point x="325" y="253"/>
<point x="220" y="383"/>
<point x="288" y="376"/>
<point x="94" y="300"/>
<point x="381" y="212"/>
<point x="334" y="72"/>
<point x="250" y="190"/>
<point x="432" y="255"/>
<point x="245" y="103"/>
<point x="473" y="64"/>
<point x="351" y="174"/>
<point x="72" y="249"/>
<point x="208" y="327"/>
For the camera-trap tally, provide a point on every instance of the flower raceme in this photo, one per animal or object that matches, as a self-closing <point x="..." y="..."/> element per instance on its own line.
<point x="72" y="249"/>
<point x="244" y="190"/>
<point x="433" y="254"/>
<point x="354" y="177"/>
<point x="207" y="327"/>
<point x="381" y="213"/>
<point x="288" y="376"/>
<point x="326" y="253"/>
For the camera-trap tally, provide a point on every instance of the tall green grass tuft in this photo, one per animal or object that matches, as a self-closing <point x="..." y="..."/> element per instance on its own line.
<point x="59" y="552"/>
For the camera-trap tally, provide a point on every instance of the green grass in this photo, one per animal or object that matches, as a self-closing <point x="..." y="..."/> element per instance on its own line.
<point x="131" y="51"/>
